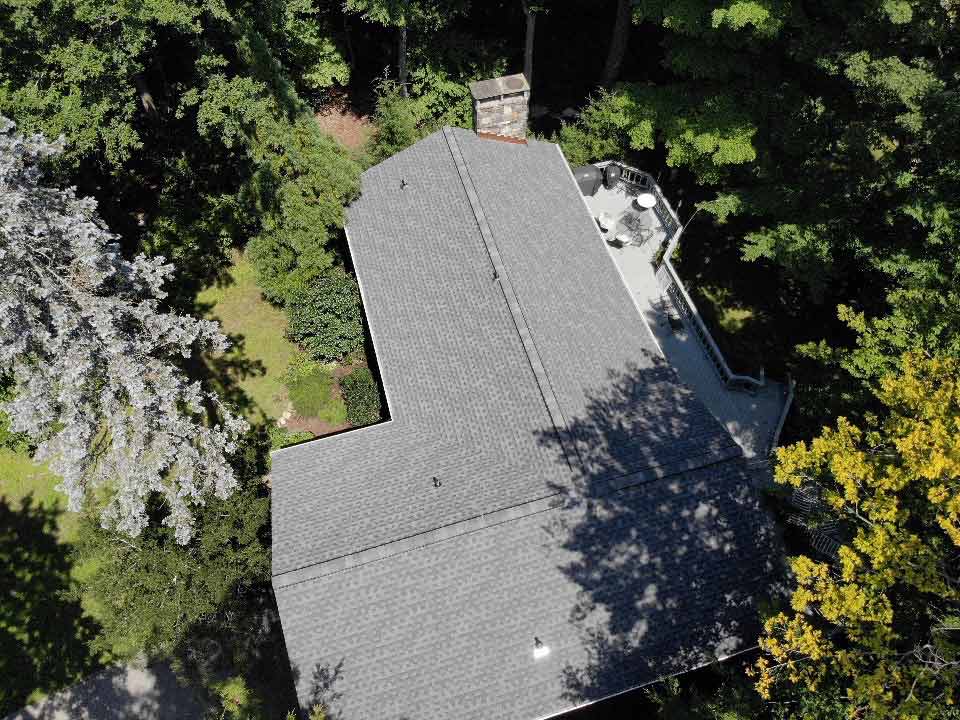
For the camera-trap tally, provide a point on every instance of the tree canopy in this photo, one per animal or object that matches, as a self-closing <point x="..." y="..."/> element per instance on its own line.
<point x="820" y="141"/>
<point x="883" y="620"/>
<point x="824" y="137"/>
<point x="93" y="356"/>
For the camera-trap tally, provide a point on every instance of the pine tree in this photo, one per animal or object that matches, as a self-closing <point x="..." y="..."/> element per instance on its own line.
<point x="98" y="387"/>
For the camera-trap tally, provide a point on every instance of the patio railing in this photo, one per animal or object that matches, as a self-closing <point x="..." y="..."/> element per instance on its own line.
<point x="644" y="182"/>
<point x="788" y="400"/>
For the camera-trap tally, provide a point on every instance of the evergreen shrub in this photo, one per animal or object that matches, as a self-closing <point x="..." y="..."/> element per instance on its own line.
<point x="362" y="396"/>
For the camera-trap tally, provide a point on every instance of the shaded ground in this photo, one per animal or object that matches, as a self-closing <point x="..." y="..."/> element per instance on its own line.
<point x="44" y="634"/>
<point x="339" y="118"/>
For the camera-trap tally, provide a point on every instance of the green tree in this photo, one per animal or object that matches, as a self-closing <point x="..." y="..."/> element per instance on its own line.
<point x="826" y="137"/>
<point x="183" y="114"/>
<point x="883" y="621"/>
<point x="308" y="47"/>
<point x="428" y="16"/>
<point x="399" y="120"/>
<point x="439" y="92"/>
<point x="150" y="593"/>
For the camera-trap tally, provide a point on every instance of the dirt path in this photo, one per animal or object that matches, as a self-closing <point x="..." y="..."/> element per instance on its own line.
<point x="318" y="427"/>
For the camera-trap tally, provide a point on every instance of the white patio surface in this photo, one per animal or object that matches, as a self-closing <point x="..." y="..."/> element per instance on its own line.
<point x="750" y="418"/>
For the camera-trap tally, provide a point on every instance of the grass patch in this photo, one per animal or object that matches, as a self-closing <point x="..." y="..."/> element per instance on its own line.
<point x="44" y="637"/>
<point x="261" y="352"/>
<point x="311" y="392"/>
<point x="20" y="477"/>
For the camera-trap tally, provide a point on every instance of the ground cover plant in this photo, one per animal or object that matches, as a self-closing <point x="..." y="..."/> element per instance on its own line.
<point x="324" y="316"/>
<point x="312" y="391"/>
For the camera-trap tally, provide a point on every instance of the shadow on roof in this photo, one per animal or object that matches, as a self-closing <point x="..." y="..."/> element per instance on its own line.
<point x="643" y="417"/>
<point x="671" y="572"/>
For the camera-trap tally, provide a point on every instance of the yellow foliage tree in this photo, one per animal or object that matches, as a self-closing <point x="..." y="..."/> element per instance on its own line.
<point x="882" y="620"/>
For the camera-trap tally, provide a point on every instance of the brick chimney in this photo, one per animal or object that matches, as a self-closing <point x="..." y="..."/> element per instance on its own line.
<point x="500" y="107"/>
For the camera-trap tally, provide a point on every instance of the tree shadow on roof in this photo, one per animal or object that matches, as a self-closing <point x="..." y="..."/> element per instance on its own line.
<point x="643" y="419"/>
<point x="670" y="572"/>
<point x="323" y="689"/>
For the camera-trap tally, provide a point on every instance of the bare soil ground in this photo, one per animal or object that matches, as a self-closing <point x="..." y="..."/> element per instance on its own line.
<point x="338" y="117"/>
<point x="318" y="427"/>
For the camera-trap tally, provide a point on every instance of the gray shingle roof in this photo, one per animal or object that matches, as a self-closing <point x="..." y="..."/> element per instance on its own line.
<point x="517" y="371"/>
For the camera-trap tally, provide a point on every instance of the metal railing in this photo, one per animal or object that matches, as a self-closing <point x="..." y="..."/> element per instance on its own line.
<point x="643" y="181"/>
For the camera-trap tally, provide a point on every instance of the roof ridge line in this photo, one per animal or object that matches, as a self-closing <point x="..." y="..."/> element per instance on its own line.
<point x="418" y="540"/>
<point x="612" y="486"/>
<point x="513" y="301"/>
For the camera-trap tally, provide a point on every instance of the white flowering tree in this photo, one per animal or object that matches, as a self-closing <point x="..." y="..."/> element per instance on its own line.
<point x="93" y="358"/>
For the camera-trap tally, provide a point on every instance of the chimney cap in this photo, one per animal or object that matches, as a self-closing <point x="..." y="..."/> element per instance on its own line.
<point x="506" y="85"/>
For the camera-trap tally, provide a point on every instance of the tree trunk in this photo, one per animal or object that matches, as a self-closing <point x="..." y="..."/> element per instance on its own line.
<point x="351" y="58"/>
<point x="402" y="60"/>
<point x="146" y="97"/>
<point x="618" y="44"/>
<point x="528" y="48"/>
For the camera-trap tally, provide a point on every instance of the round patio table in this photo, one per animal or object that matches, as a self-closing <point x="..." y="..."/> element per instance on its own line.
<point x="646" y="200"/>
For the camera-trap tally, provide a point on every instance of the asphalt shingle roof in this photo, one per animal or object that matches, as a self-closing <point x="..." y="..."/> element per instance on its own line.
<point x="519" y="373"/>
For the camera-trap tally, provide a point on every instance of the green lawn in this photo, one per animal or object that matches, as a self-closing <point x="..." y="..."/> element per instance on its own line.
<point x="44" y="636"/>
<point x="20" y="477"/>
<point x="261" y="353"/>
